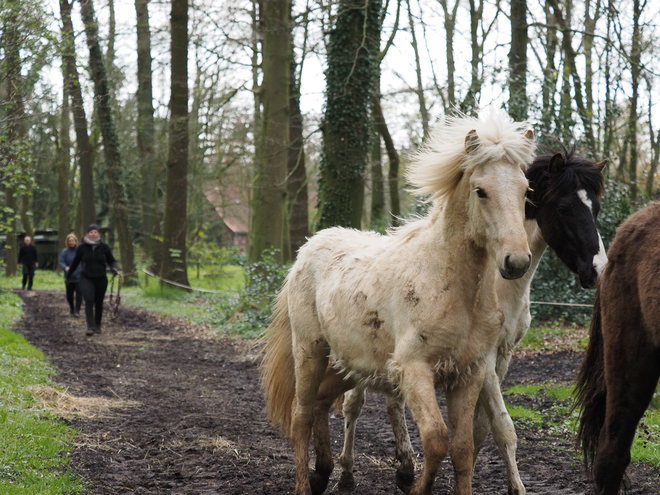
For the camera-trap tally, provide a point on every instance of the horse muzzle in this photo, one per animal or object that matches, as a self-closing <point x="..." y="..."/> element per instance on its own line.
<point x="515" y="266"/>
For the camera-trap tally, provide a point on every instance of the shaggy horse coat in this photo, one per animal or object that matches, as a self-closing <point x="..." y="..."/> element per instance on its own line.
<point x="621" y="367"/>
<point x="561" y="211"/>
<point x="407" y="312"/>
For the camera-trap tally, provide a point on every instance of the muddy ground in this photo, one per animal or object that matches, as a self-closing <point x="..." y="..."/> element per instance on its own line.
<point x="184" y="415"/>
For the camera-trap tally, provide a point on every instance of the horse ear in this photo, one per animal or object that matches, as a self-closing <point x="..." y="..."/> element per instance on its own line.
<point x="556" y="163"/>
<point x="471" y="141"/>
<point x="529" y="134"/>
<point x="601" y="165"/>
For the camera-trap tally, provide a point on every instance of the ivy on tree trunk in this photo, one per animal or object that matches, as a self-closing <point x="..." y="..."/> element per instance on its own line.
<point x="351" y="75"/>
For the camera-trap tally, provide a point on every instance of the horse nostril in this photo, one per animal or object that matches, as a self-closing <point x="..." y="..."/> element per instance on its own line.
<point x="507" y="264"/>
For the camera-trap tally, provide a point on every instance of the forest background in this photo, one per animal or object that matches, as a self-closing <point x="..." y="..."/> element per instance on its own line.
<point x="180" y="126"/>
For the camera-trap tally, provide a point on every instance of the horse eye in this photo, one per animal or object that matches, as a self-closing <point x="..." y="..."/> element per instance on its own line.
<point x="481" y="193"/>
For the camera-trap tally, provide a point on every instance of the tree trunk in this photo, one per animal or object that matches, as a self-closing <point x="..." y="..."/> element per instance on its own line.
<point x="469" y="104"/>
<point x="393" y="156"/>
<point x="608" y="127"/>
<point x="423" y="111"/>
<point x="590" y="21"/>
<point x="569" y="61"/>
<point x="377" y="217"/>
<point x="176" y="198"/>
<point x="297" y="183"/>
<point x="14" y="94"/>
<point x="269" y="196"/>
<point x="655" y="154"/>
<point x="83" y="143"/>
<point x="518" y="102"/>
<point x="635" y="69"/>
<point x="63" y="163"/>
<point x="351" y="76"/>
<point x="450" y="25"/>
<point x="110" y="139"/>
<point x="145" y="127"/>
<point x="549" y="88"/>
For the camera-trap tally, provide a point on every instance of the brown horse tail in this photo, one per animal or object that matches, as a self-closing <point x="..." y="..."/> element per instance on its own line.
<point x="590" y="390"/>
<point x="277" y="367"/>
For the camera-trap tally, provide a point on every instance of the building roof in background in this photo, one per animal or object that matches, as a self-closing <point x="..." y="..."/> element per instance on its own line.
<point x="231" y="206"/>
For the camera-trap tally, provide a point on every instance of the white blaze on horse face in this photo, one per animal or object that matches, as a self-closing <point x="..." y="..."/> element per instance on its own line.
<point x="600" y="259"/>
<point x="582" y="194"/>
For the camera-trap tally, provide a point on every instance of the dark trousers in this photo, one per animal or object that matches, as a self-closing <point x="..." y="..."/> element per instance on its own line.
<point x="93" y="292"/>
<point x="28" y="276"/>
<point x="72" y="287"/>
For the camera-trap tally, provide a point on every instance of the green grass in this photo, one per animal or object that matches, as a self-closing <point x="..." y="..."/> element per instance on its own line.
<point x="646" y="446"/>
<point x="525" y="416"/>
<point x="558" y="418"/>
<point x="43" y="279"/>
<point x="199" y="307"/>
<point x="34" y="446"/>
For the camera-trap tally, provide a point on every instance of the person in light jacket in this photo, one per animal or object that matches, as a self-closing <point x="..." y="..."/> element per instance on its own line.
<point x="27" y="256"/>
<point x="94" y="255"/>
<point x="72" y="284"/>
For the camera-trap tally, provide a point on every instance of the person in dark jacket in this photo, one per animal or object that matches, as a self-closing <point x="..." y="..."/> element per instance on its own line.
<point x="27" y="256"/>
<point x="72" y="284"/>
<point x="94" y="255"/>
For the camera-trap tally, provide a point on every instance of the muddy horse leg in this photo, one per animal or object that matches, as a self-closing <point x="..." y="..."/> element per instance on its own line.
<point x="631" y="380"/>
<point x="461" y="403"/>
<point x="504" y="432"/>
<point x="405" y="472"/>
<point x="353" y="403"/>
<point x="310" y="366"/>
<point x="332" y="386"/>
<point x="417" y="387"/>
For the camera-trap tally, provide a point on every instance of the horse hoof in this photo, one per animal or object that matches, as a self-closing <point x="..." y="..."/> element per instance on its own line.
<point x="346" y="482"/>
<point x="404" y="479"/>
<point x="318" y="482"/>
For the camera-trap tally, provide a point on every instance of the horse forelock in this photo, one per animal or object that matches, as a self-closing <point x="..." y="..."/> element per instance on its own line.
<point x="578" y="173"/>
<point x="438" y="167"/>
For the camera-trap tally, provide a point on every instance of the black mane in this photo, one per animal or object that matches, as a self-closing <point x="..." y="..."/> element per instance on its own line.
<point x="578" y="173"/>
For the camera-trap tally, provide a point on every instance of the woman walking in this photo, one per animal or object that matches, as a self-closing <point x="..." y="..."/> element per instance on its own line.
<point x="94" y="255"/>
<point x="72" y="283"/>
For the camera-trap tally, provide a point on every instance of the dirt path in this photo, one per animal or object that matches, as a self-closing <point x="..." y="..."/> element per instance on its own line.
<point x="187" y="415"/>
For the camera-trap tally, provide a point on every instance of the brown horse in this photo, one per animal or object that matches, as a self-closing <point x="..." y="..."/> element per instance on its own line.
<point x="621" y="368"/>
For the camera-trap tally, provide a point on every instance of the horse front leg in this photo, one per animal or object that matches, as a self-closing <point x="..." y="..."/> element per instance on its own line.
<point x="461" y="403"/>
<point x="405" y="472"/>
<point x="418" y="389"/>
<point x="353" y="403"/>
<point x="504" y="432"/>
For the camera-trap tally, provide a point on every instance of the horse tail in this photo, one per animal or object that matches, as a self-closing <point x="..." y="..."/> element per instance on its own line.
<point x="277" y="367"/>
<point x="591" y="390"/>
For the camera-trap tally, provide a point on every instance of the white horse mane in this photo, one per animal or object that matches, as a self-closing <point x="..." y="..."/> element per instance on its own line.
<point x="439" y="165"/>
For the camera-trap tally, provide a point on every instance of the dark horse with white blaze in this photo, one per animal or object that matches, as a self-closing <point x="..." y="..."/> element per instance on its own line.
<point x="621" y="367"/>
<point x="561" y="212"/>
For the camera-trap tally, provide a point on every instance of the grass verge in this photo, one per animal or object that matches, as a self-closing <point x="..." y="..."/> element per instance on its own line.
<point x="548" y="407"/>
<point x="34" y="445"/>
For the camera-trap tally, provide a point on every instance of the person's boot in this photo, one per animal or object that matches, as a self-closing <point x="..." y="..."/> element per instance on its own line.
<point x="90" y="331"/>
<point x="97" y="328"/>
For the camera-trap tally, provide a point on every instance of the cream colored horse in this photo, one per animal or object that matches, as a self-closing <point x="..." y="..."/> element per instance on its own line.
<point x="562" y="181"/>
<point x="407" y="312"/>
